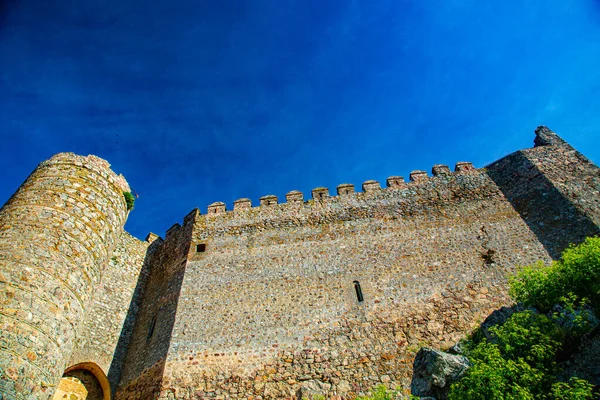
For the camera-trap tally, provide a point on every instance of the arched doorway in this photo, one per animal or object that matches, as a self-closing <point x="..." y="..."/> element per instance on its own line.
<point x="85" y="381"/>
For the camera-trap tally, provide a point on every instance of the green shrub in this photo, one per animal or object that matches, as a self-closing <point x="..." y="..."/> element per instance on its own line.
<point x="574" y="316"/>
<point x="381" y="393"/>
<point x="581" y="270"/>
<point x="519" y="361"/>
<point x="535" y="338"/>
<point x="576" y="274"/>
<point x="494" y="377"/>
<point x="129" y="200"/>
<point x="576" y="389"/>
<point x="536" y="285"/>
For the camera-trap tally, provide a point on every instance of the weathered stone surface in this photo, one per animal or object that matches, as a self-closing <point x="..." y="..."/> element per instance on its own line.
<point x="434" y="371"/>
<point x="57" y="234"/>
<point x="313" y="389"/>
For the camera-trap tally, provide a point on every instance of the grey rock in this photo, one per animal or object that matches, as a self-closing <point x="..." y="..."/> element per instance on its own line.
<point x="434" y="371"/>
<point x="457" y="349"/>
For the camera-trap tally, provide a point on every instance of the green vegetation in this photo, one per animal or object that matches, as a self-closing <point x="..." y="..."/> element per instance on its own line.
<point x="577" y="275"/>
<point x="129" y="200"/>
<point x="381" y="393"/>
<point x="519" y="359"/>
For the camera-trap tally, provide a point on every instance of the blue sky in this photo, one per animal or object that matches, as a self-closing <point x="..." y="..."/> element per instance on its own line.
<point x="202" y="101"/>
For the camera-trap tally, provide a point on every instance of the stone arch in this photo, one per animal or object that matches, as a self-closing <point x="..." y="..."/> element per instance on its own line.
<point x="83" y="381"/>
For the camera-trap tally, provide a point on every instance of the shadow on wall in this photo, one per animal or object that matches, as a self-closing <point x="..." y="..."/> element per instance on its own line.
<point x="140" y="356"/>
<point x="116" y="367"/>
<point x="551" y="216"/>
<point x="146" y="334"/>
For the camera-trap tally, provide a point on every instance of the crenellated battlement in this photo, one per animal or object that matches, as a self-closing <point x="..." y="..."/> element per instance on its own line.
<point x="268" y="200"/>
<point x="371" y="191"/>
<point x="344" y="191"/>
<point x="345" y="188"/>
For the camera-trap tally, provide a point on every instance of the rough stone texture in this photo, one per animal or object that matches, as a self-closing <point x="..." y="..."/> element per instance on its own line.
<point x="150" y="339"/>
<point x="586" y="361"/>
<point x="313" y="389"/>
<point x="104" y="332"/>
<point x="272" y="300"/>
<point x="261" y="302"/>
<point x="554" y="188"/>
<point x="57" y="233"/>
<point x="434" y="371"/>
<point x="269" y="308"/>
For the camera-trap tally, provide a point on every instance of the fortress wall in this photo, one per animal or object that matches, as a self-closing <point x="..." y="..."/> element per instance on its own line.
<point x="150" y="339"/>
<point x="261" y="302"/>
<point x="270" y="308"/>
<point x="554" y="188"/>
<point x="100" y="333"/>
<point x="57" y="233"/>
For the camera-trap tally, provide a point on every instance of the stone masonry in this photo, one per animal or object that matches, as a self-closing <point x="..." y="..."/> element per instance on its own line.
<point x="330" y="295"/>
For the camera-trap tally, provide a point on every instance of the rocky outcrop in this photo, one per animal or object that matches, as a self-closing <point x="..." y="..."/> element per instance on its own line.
<point x="584" y="363"/>
<point x="434" y="372"/>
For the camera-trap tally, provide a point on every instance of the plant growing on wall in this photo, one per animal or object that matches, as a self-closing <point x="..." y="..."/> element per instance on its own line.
<point x="129" y="200"/>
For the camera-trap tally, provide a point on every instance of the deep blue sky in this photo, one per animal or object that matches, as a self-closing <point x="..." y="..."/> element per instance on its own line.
<point x="200" y="101"/>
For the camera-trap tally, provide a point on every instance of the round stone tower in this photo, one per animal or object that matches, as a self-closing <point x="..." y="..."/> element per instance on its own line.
<point x="57" y="233"/>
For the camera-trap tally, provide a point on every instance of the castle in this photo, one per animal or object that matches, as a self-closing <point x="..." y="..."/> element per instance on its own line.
<point x="332" y="295"/>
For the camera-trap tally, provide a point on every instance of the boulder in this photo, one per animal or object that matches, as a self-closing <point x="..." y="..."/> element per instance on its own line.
<point x="457" y="348"/>
<point x="434" y="371"/>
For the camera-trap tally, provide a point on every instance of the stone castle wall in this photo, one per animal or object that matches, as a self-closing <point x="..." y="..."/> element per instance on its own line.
<point x="263" y="302"/>
<point x="57" y="234"/>
<point x="554" y="188"/>
<point x="267" y="308"/>
<point x="102" y="329"/>
<point x="270" y="307"/>
<point x="146" y="355"/>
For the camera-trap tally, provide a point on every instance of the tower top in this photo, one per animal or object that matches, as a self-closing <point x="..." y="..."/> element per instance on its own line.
<point x="544" y="136"/>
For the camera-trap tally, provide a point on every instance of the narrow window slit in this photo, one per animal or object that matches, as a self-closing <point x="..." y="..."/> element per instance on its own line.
<point x="152" y="325"/>
<point x="359" y="294"/>
<point x="200" y="248"/>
